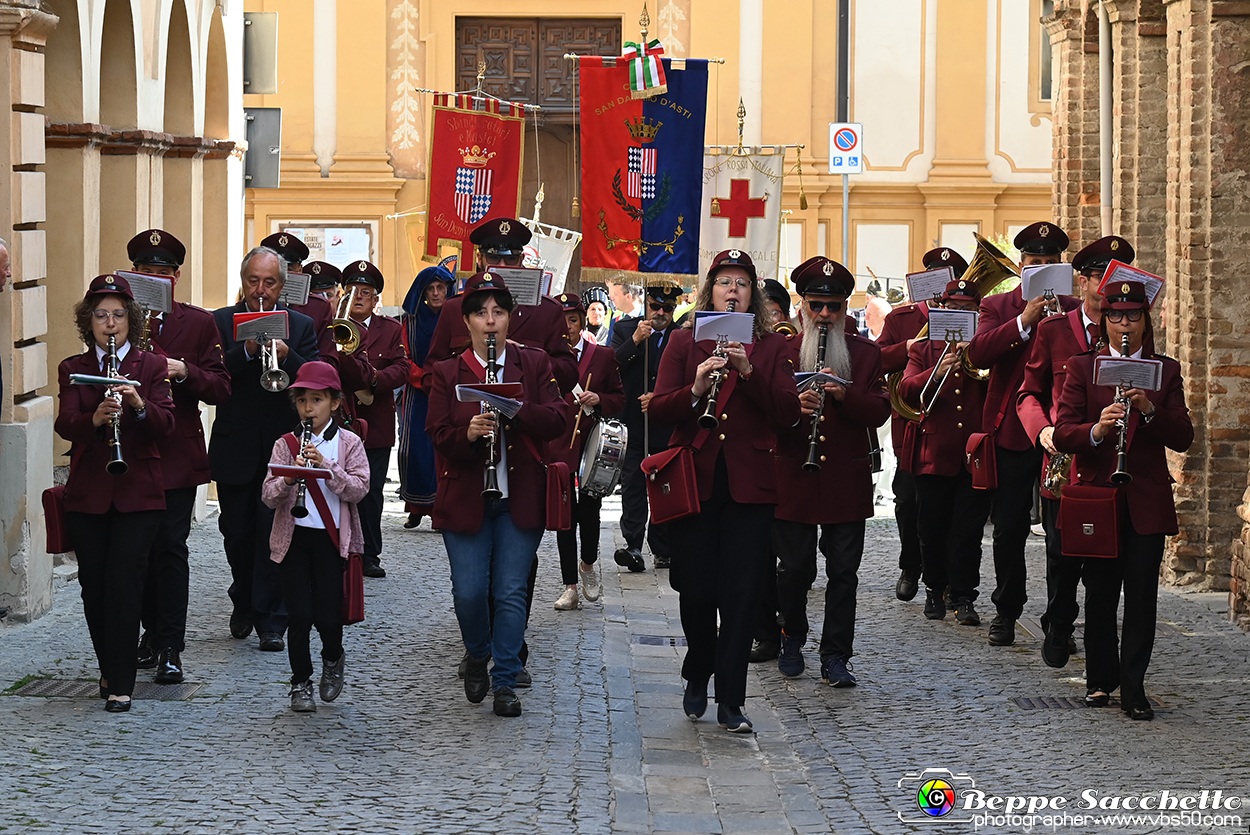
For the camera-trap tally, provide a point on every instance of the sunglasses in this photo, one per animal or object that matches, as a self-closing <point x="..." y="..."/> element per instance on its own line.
<point x="1131" y="315"/>
<point x="817" y="307"/>
<point x="661" y="306"/>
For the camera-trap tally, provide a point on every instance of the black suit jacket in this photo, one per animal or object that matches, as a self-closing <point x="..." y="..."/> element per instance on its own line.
<point x="252" y="419"/>
<point x="630" y="358"/>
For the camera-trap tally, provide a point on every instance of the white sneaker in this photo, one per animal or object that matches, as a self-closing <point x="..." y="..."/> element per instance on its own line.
<point x="590" y="581"/>
<point x="568" y="600"/>
<point x="1037" y="530"/>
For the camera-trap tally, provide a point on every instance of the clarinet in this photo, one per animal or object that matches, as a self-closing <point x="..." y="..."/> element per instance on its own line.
<point x="115" y="466"/>
<point x="1121" y="474"/>
<point x="299" y="510"/>
<point x="491" y="490"/>
<point x="708" y="419"/>
<point x="812" y="464"/>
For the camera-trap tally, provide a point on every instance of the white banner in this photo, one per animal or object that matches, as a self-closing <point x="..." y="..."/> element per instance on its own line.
<point x="555" y="247"/>
<point x="747" y="189"/>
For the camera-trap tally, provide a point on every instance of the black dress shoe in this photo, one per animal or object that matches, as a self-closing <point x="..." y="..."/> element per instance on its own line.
<point x="414" y="519"/>
<point x="117" y="706"/>
<point x="732" y="720"/>
<point x="104" y="690"/>
<point x="630" y="558"/>
<point x="145" y="656"/>
<point x="476" y="679"/>
<point x="1002" y="632"/>
<point x="332" y="678"/>
<point x="1140" y="714"/>
<point x="524" y="679"/>
<point x="271" y="642"/>
<point x="907" y="586"/>
<point x="934" y="605"/>
<point x="373" y="569"/>
<point x="1055" y="649"/>
<point x="663" y="561"/>
<point x="506" y="703"/>
<point x="168" y="667"/>
<point x="240" y="623"/>
<point x="1097" y="699"/>
<point x="764" y="651"/>
<point x="694" y="701"/>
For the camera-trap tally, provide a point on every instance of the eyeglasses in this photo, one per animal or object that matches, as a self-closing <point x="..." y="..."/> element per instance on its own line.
<point x="1131" y="315"/>
<point x="105" y="315"/>
<point x="505" y="260"/>
<point x="740" y="283"/>
<point x="365" y="292"/>
<point x="661" y="306"/>
<point x="817" y="307"/>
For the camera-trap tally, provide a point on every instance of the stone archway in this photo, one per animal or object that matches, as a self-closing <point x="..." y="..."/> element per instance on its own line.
<point x="181" y="193"/>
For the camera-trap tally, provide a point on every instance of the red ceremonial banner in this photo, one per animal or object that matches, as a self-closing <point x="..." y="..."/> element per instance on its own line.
<point x="474" y="170"/>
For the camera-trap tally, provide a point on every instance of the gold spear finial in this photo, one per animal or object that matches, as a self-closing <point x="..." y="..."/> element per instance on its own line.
<point x="644" y="20"/>
<point x="481" y="71"/>
<point x="742" y="120"/>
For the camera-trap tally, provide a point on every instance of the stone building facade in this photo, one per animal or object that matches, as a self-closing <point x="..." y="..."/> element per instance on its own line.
<point x="1181" y="135"/>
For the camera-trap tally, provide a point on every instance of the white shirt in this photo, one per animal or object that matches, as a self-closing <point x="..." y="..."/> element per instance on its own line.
<point x="122" y="351"/>
<point x="329" y="450"/>
<point x="501" y="443"/>
<point x="579" y="347"/>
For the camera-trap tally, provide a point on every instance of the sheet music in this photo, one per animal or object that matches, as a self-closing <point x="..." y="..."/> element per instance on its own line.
<point x="154" y="293"/>
<point x="924" y="285"/>
<point x="1120" y="272"/>
<point x="812" y="379"/>
<point x="469" y="393"/>
<point x="269" y="324"/>
<point x="96" y="380"/>
<point x="734" y="327"/>
<point x="1126" y="371"/>
<point x="299" y="472"/>
<point x="296" y="289"/>
<point x="526" y="285"/>
<point x="1035" y="280"/>
<point x="952" y="325"/>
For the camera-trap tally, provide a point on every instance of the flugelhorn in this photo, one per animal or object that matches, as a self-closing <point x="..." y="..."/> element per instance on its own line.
<point x="812" y="464"/>
<point x="709" y="420"/>
<point x="1121" y="474"/>
<point x="116" y="465"/>
<point x="299" y="510"/>
<point x="347" y="333"/>
<point x="491" y="489"/>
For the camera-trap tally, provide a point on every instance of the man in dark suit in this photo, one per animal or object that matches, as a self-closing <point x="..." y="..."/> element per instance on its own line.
<point x="1059" y="339"/>
<point x="187" y="337"/>
<point x="639" y="342"/>
<point x="370" y="376"/>
<point x="500" y="243"/>
<point x="808" y="509"/>
<point x="243" y="435"/>
<point x="1003" y="344"/>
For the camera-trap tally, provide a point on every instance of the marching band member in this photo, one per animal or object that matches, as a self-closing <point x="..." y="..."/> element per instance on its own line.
<point x="1087" y="425"/>
<point x="324" y="285"/>
<point x="897" y="336"/>
<point x="492" y="543"/>
<point x="500" y="243"/>
<point x="640" y="343"/>
<point x="113" y="519"/>
<point x="370" y="376"/>
<point x="243" y="434"/>
<point x="317" y="307"/>
<point x="952" y="513"/>
<point x="846" y="417"/>
<point x="422" y="307"/>
<point x="1003" y="343"/>
<point x="1059" y="338"/>
<point x="719" y="554"/>
<point x="187" y="338"/>
<point x="602" y="393"/>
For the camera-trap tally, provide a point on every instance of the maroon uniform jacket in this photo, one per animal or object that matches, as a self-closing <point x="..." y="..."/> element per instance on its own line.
<point x="749" y="420"/>
<point x="461" y="465"/>
<point x="998" y="347"/>
<point x="942" y="437"/>
<point x="190" y="334"/>
<point x="379" y="366"/>
<point x="841" y="491"/>
<point x="90" y="488"/>
<point x="1151" y="508"/>
<point x="599" y="363"/>
<point x="1059" y="338"/>
<point x="542" y="327"/>
<point x="901" y="324"/>
<point x="318" y="309"/>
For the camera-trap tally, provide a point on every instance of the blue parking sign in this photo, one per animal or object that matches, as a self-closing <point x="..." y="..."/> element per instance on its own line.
<point x="836" y="162"/>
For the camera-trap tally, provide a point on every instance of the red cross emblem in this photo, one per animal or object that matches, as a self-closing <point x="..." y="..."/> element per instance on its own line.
<point x="739" y="207"/>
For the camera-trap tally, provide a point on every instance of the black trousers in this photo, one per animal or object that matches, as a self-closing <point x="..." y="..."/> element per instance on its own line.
<point x="245" y="523"/>
<point x="1012" y="516"/>
<point x="586" y="517"/>
<point x="169" y="575"/>
<point x="312" y="581"/>
<point x="1063" y="574"/>
<point x="634" y="509"/>
<point x="795" y="545"/>
<point x="906" y="515"/>
<point x="1109" y="663"/>
<point x="719" y="556"/>
<point x="952" y="521"/>
<point x="370" y="507"/>
<point x="112" y="550"/>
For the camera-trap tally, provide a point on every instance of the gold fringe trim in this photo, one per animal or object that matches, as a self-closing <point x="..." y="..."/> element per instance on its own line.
<point x="603" y="274"/>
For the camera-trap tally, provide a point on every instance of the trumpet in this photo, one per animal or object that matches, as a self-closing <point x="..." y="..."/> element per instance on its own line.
<point x="115" y="466"/>
<point x="273" y="378"/>
<point x="348" y="335"/>
<point x="1122" y="475"/>
<point x="812" y="464"/>
<point x="299" y="510"/>
<point x="491" y="490"/>
<point x="1052" y="307"/>
<point x="708" y="419"/>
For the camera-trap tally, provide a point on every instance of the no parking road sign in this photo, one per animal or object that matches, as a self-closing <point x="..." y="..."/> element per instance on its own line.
<point x="846" y="148"/>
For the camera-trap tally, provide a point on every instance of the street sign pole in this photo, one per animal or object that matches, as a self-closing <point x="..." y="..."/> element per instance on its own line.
<point x="846" y="217"/>
<point x="846" y="157"/>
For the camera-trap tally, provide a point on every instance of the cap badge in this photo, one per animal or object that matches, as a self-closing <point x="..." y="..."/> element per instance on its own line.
<point x="827" y="269"/>
<point x="155" y="238"/>
<point x="1124" y="288"/>
<point x="563" y="297"/>
<point x="946" y="255"/>
<point x="283" y="240"/>
<point x="963" y="284"/>
<point x="316" y="269"/>
<point x="735" y="253"/>
<point x="108" y="280"/>
<point x="1115" y="245"/>
<point x="362" y="266"/>
<point x="1044" y="230"/>
<point x="504" y="227"/>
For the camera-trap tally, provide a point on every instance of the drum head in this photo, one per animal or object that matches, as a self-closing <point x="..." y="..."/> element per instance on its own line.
<point x="590" y="453"/>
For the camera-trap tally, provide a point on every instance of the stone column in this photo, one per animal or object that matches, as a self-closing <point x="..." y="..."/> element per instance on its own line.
<point x="1075" y="109"/>
<point x="25" y="416"/>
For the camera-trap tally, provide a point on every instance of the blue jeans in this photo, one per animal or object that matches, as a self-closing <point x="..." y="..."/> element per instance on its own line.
<point x="496" y="558"/>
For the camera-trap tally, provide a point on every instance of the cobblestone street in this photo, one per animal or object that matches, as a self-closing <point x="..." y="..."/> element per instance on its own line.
<point x="603" y="745"/>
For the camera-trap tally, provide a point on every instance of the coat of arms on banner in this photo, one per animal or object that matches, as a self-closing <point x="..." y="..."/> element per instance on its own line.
<point x="473" y="184"/>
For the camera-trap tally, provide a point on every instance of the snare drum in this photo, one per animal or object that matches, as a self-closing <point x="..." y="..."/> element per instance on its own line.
<point x="603" y="458"/>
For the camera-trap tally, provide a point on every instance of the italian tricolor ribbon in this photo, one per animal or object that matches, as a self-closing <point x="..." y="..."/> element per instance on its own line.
<point x="646" y="72"/>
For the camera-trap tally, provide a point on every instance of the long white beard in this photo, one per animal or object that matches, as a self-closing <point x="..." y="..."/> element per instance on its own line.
<point x="837" y="353"/>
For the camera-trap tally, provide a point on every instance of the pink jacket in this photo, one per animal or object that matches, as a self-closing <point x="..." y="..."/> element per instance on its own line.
<point x="350" y="483"/>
